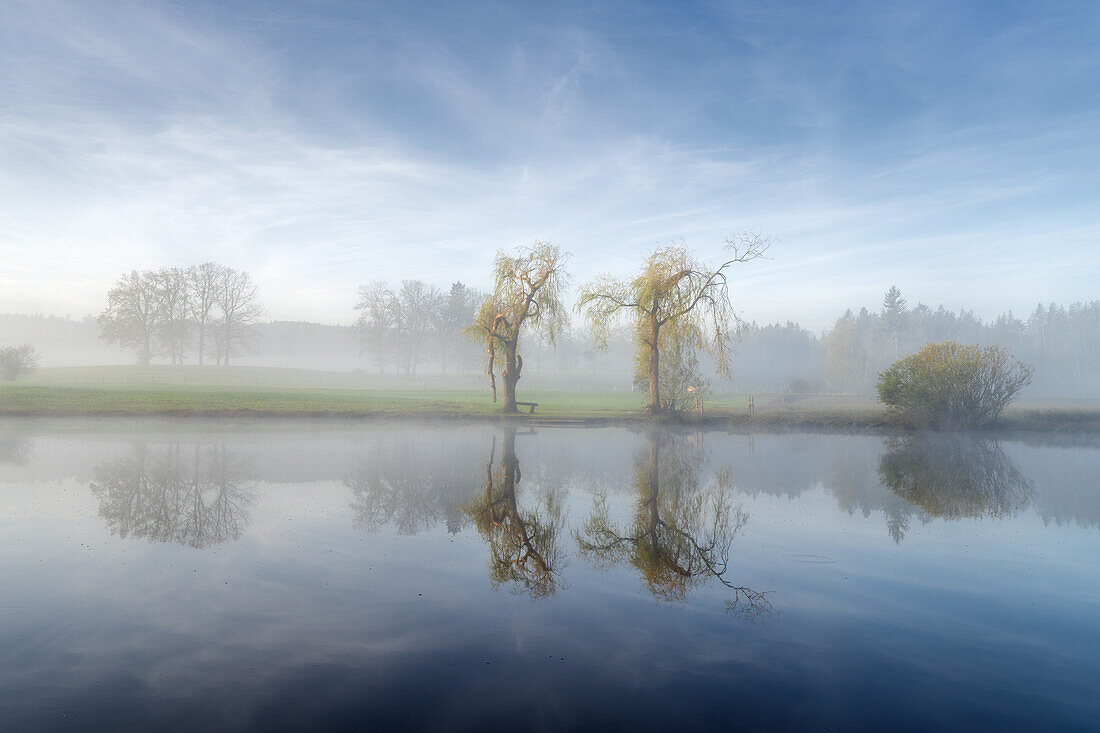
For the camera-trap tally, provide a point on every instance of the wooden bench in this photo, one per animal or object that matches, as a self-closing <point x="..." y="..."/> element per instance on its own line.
<point x="532" y="405"/>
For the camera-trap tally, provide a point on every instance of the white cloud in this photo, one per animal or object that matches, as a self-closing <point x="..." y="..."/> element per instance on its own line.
<point x="177" y="144"/>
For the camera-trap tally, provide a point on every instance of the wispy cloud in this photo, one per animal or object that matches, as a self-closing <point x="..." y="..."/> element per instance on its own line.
<point x="321" y="151"/>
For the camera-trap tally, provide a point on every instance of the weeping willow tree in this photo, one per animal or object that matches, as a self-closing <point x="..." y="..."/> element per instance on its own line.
<point x="527" y="290"/>
<point x="677" y="302"/>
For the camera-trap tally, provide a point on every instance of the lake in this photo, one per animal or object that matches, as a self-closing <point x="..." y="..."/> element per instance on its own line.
<point x="176" y="575"/>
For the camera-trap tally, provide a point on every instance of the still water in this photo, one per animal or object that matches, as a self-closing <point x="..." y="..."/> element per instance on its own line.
<point x="197" y="574"/>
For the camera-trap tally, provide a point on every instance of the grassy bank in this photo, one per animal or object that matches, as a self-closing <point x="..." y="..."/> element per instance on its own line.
<point x="250" y="391"/>
<point x="213" y="401"/>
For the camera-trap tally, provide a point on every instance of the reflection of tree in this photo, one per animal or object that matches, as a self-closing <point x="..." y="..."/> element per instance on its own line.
<point x="398" y="484"/>
<point x="166" y="497"/>
<point x="954" y="477"/>
<point x="523" y="543"/>
<point x="681" y="536"/>
<point x="15" y="449"/>
<point x="853" y="481"/>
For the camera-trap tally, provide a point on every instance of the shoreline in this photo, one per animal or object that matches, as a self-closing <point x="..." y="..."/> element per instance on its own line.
<point x="852" y="414"/>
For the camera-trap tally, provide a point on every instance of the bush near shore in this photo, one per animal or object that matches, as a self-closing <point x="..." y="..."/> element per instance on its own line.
<point x="952" y="386"/>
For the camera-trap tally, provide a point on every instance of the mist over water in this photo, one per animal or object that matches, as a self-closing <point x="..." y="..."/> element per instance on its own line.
<point x="284" y="574"/>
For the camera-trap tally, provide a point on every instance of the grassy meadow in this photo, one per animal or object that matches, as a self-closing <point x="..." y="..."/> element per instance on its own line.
<point x="263" y="391"/>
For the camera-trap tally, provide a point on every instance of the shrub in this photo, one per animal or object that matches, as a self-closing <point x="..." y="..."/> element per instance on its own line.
<point x="802" y="385"/>
<point x="17" y="360"/>
<point x="950" y="385"/>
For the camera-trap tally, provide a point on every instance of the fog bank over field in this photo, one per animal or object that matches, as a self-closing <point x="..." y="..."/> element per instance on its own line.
<point x="1061" y="342"/>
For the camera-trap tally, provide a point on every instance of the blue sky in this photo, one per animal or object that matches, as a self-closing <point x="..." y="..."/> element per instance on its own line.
<point x="949" y="148"/>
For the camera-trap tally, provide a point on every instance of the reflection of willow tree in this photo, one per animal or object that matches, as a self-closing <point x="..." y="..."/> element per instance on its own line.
<point x="954" y="477"/>
<point x="524" y="551"/>
<point x="164" y="496"/>
<point x="681" y="536"/>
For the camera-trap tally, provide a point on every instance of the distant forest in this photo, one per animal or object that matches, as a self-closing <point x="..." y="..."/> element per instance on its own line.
<point x="1061" y="342"/>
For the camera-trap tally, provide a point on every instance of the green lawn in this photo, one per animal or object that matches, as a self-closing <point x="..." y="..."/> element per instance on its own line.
<point x="238" y="390"/>
<point x="215" y="391"/>
<point x="119" y="390"/>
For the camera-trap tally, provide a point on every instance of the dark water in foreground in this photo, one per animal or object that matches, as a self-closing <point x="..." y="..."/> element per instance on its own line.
<point x="189" y="575"/>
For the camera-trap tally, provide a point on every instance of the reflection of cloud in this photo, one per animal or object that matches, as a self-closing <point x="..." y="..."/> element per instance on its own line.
<point x="172" y="496"/>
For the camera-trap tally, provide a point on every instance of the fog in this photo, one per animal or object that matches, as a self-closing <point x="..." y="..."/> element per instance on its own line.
<point x="1061" y="342"/>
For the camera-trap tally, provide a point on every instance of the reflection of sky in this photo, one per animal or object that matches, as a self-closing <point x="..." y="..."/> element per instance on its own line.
<point x="306" y="615"/>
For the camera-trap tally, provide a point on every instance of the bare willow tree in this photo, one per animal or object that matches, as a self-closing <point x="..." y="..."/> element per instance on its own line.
<point x="526" y="296"/>
<point x="677" y="302"/>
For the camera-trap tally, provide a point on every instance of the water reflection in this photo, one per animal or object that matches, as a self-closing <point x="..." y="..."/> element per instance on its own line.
<point x="194" y="498"/>
<point x="313" y="623"/>
<point x="397" y="484"/>
<point x="680" y="535"/>
<point x="15" y="448"/>
<point x="524" y="548"/>
<point x="954" y="476"/>
<point x="853" y="479"/>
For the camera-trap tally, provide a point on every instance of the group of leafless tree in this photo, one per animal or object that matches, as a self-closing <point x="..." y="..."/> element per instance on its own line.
<point x="417" y="325"/>
<point x="209" y="308"/>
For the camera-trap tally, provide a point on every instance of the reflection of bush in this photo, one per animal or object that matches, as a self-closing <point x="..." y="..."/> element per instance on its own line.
<point x="954" y="477"/>
<point x="524" y="551"/>
<point x="174" y="496"/>
<point x="680" y="536"/>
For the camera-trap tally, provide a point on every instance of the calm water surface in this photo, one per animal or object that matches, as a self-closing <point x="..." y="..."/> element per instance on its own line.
<point x="190" y="574"/>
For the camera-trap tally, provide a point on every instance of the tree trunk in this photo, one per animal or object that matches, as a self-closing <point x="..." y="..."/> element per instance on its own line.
<point x="653" y="484"/>
<point x="512" y="366"/>
<point x="202" y="334"/>
<point x="654" y="405"/>
<point x="511" y="468"/>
